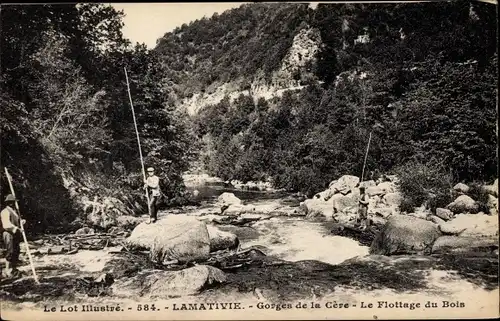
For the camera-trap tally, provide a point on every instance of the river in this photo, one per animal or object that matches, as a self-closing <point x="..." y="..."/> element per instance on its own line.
<point x="288" y="238"/>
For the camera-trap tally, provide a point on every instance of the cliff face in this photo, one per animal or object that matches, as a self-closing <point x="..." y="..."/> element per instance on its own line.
<point x="259" y="50"/>
<point x="296" y="68"/>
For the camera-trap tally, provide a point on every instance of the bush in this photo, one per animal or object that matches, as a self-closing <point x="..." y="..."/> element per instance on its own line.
<point x="480" y="195"/>
<point x="424" y="184"/>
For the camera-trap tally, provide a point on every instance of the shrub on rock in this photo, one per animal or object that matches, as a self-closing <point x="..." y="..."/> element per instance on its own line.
<point x="424" y="184"/>
<point x="177" y="237"/>
<point x="405" y="235"/>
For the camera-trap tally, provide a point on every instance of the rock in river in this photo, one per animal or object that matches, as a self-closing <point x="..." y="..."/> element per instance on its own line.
<point x="463" y="204"/>
<point x="318" y="207"/>
<point x="228" y="199"/>
<point x="472" y="225"/>
<point x="165" y="284"/>
<point x="469" y="245"/>
<point x="221" y="240"/>
<point x="405" y="235"/>
<point x="174" y="237"/>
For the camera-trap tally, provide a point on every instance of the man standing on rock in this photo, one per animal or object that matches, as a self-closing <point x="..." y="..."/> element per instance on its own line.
<point x="363" y="208"/>
<point x="11" y="234"/>
<point x="152" y="185"/>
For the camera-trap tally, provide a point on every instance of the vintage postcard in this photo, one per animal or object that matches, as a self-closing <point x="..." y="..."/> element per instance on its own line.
<point x="313" y="160"/>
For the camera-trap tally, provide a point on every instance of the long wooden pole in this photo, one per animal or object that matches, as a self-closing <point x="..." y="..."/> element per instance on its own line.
<point x="138" y="139"/>
<point x="22" y="227"/>
<point x="366" y="156"/>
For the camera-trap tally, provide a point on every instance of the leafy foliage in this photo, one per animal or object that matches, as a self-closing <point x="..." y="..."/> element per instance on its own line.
<point x="424" y="184"/>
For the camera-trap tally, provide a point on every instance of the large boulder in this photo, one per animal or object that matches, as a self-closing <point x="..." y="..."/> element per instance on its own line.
<point x="85" y="231"/>
<point x="317" y="207"/>
<point x="493" y="188"/>
<point x="128" y="221"/>
<point x="393" y="199"/>
<point x="493" y="204"/>
<point x="167" y="284"/>
<point x="421" y="212"/>
<point x="444" y="214"/>
<point x="464" y="244"/>
<point x="405" y="235"/>
<point x="387" y="187"/>
<point x="324" y="195"/>
<point x="384" y="212"/>
<point x="374" y="191"/>
<point x="471" y="225"/>
<point x="221" y="240"/>
<point x="228" y="199"/>
<point x="463" y="204"/>
<point x="435" y="219"/>
<point x="342" y="203"/>
<point x="367" y="184"/>
<point x="264" y="208"/>
<point x="345" y="184"/>
<point x="461" y="188"/>
<point x="238" y="209"/>
<point x="175" y="237"/>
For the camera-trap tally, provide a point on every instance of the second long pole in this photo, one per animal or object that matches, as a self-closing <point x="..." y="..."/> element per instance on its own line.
<point x="138" y="140"/>
<point x="366" y="156"/>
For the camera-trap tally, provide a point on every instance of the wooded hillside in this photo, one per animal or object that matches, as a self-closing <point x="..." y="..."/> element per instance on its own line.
<point x="421" y="76"/>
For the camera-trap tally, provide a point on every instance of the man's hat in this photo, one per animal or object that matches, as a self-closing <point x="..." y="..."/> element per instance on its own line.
<point x="10" y="198"/>
<point x="151" y="169"/>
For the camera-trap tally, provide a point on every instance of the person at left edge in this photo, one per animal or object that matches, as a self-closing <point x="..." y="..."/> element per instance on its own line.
<point x="11" y="234"/>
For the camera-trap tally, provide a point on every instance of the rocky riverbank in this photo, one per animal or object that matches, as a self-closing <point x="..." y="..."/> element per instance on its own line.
<point x="268" y="250"/>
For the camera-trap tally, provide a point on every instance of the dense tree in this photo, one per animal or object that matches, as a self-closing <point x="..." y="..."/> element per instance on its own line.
<point x="63" y="78"/>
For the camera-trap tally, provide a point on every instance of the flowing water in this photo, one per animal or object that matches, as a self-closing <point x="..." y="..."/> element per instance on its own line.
<point x="289" y="238"/>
